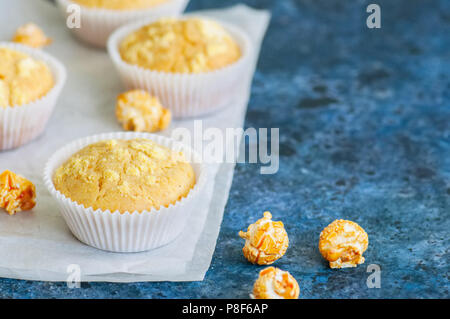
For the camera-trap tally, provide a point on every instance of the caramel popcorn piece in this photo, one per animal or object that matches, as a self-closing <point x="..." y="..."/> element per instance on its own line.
<point x="16" y="193"/>
<point x="23" y="79"/>
<point x="273" y="283"/>
<point x="120" y="4"/>
<point x="343" y="243"/>
<point x="265" y="241"/>
<point x="31" y="35"/>
<point x="138" y="111"/>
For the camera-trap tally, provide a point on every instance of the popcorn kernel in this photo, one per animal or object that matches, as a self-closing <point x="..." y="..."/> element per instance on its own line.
<point x="16" y="193"/>
<point x="273" y="283"/>
<point x="31" y="35"/>
<point x="265" y="241"/>
<point x="138" y="111"/>
<point x="343" y="243"/>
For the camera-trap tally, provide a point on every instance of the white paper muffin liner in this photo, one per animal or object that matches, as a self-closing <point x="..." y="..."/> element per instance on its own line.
<point x="185" y="94"/>
<point x="97" y="24"/>
<point x="22" y="123"/>
<point x="129" y="231"/>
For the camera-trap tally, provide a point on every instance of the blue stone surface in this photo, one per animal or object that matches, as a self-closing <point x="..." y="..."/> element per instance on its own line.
<point x="364" y="118"/>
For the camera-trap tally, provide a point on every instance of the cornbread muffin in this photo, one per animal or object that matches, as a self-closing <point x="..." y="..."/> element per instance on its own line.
<point x="265" y="241"/>
<point x="22" y="78"/>
<point x="125" y="175"/>
<point x="190" y="45"/>
<point x="31" y="35"/>
<point x="16" y="193"/>
<point x="138" y="111"/>
<point x="343" y="243"/>
<point x="120" y="4"/>
<point x="273" y="283"/>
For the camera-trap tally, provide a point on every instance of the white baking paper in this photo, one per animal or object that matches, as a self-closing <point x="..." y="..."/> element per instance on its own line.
<point x="37" y="245"/>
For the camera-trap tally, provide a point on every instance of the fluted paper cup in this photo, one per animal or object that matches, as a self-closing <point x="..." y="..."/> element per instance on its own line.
<point x="186" y="94"/>
<point x="130" y="231"/>
<point x="97" y="24"/>
<point x="20" y="124"/>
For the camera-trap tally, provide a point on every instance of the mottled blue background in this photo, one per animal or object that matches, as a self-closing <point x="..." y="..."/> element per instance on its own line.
<point x="364" y="118"/>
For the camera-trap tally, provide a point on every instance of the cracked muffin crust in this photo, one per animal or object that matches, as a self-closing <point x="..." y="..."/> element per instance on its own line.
<point x="190" y="45"/>
<point x="125" y="175"/>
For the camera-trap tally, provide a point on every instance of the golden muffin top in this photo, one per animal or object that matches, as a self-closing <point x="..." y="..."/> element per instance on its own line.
<point x="125" y="175"/>
<point x="119" y="4"/>
<point x="191" y="45"/>
<point x="23" y="79"/>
